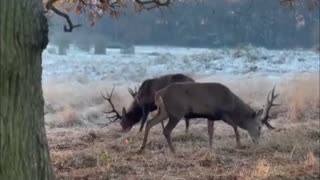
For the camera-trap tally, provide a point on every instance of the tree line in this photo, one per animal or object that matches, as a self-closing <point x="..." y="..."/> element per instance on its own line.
<point x="216" y="23"/>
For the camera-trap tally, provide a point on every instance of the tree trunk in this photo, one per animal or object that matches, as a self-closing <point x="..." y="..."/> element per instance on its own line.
<point x="24" y="150"/>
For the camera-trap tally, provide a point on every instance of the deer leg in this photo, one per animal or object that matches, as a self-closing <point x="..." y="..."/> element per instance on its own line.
<point x="187" y="125"/>
<point x="145" y="114"/>
<point x="167" y="131"/>
<point x="237" y="136"/>
<point x="159" y="118"/>
<point x="210" y="131"/>
<point x="162" y="124"/>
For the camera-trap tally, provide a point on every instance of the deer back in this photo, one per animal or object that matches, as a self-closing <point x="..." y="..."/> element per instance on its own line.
<point x="209" y="100"/>
<point x="145" y="95"/>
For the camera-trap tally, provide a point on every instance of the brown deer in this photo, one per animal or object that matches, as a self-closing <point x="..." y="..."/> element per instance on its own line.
<point x="143" y="102"/>
<point x="213" y="101"/>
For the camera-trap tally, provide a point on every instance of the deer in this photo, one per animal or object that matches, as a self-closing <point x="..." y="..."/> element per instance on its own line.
<point x="213" y="101"/>
<point x="143" y="101"/>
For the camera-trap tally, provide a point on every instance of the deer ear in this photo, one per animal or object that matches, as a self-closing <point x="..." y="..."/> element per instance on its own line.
<point x="259" y="113"/>
<point x="124" y="112"/>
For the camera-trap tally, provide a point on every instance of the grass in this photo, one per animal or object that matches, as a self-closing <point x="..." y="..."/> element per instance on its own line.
<point x="291" y="151"/>
<point x="112" y="154"/>
<point x="303" y="98"/>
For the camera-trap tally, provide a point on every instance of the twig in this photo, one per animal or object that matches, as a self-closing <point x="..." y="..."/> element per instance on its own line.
<point x="113" y="6"/>
<point x="153" y="3"/>
<point x="70" y="26"/>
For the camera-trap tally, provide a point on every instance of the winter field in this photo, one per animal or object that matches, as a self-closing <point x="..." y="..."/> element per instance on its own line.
<point x="81" y="149"/>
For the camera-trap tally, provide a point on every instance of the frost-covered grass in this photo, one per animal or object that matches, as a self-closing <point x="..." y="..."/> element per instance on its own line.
<point x="80" y="149"/>
<point x="151" y="61"/>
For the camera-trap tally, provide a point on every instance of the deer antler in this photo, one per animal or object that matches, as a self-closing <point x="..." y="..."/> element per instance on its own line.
<point x="268" y="105"/>
<point x="116" y="115"/>
<point x="133" y="92"/>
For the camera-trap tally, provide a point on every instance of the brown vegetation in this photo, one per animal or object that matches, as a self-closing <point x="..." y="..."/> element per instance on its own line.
<point x="303" y="98"/>
<point x="289" y="152"/>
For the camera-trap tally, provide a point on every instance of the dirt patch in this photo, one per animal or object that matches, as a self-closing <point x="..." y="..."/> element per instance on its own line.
<point x="289" y="153"/>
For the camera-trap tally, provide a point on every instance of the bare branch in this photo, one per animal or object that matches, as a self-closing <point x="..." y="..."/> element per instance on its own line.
<point x="113" y="6"/>
<point x="70" y="26"/>
<point x="153" y="3"/>
<point x="157" y="2"/>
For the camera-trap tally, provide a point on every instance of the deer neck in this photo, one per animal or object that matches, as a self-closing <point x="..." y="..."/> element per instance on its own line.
<point x="241" y="114"/>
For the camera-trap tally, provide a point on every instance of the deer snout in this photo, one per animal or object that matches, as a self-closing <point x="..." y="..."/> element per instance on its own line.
<point x="254" y="138"/>
<point x="126" y="129"/>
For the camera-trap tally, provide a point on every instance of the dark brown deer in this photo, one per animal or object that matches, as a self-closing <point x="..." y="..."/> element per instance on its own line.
<point x="213" y="101"/>
<point x="143" y="100"/>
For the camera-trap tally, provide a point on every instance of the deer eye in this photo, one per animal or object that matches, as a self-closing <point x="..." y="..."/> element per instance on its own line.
<point x="259" y="128"/>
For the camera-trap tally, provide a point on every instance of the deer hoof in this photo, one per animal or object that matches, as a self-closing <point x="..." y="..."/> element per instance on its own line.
<point x="141" y="150"/>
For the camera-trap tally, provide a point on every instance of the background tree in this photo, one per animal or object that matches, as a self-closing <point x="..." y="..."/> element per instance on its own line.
<point x="216" y="23"/>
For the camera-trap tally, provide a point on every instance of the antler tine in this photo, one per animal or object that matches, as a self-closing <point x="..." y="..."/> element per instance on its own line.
<point x="103" y="96"/>
<point x="132" y="92"/>
<point x="268" y="125"/>
<point x="274" y="96"/>
<point x="111" y="93"/>
<point x="112" y="118"/>
<point x="270" y="98"/>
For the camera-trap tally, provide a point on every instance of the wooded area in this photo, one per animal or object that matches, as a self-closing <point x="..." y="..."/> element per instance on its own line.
<point x="216" y="23"/>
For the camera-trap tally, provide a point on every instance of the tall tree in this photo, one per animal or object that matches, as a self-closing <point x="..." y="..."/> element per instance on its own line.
<point x="24" y="148"/>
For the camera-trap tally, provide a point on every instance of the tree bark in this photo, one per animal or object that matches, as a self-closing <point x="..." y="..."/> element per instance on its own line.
<point x="24" y="148"/>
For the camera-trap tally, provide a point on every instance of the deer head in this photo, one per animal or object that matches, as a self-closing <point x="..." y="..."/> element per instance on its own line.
<point x="127" y="119"/>
<point x="133" y="115"/>
<point x="261" y="117"/>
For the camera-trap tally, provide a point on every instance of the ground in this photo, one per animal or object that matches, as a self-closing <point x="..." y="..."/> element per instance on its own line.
<point x="81" y="148"/>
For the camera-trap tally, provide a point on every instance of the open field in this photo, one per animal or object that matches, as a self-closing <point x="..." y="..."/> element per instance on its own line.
<point x="80" y="149"/>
